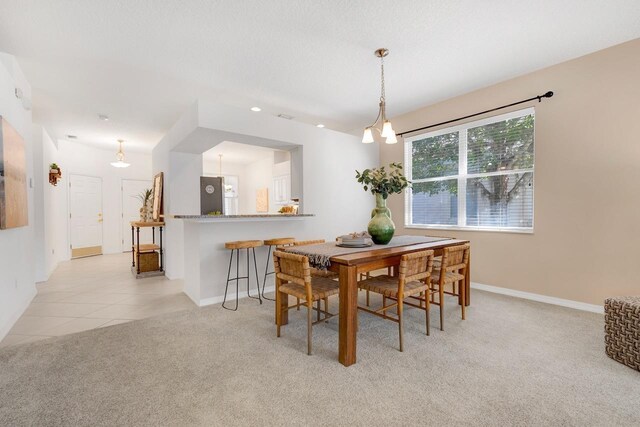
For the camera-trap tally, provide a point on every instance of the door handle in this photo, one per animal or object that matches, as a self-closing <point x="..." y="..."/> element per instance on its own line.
<point x="100" y="220"/>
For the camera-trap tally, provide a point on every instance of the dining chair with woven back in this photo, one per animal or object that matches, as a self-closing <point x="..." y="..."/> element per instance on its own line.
<point x="308" y="242"/>
<point x="314" y="271"/>
<point x="414" y="276"/>
<point x="450" y="271"/>
<point x="293" y="278"/>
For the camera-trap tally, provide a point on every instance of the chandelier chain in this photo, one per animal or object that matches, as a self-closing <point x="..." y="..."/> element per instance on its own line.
<point x="382" y="95"/>
<point x="381" y="125"/>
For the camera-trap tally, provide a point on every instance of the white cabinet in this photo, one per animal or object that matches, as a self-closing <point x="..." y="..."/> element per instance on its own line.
<point x="281" y="189"/>
<point x="231" y="194"/>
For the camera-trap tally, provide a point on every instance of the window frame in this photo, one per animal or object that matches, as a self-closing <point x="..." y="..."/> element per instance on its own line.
<point x="462" y="176"/>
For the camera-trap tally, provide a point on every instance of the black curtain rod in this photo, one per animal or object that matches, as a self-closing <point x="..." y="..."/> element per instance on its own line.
<point x="539" y="98"/>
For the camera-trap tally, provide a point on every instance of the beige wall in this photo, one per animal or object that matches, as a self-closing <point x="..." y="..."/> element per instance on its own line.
<point x="585" y="245"/>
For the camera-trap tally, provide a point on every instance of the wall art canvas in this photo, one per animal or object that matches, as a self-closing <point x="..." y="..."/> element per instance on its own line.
<point x="262" y="200"/>
<point x="13" y="178"/>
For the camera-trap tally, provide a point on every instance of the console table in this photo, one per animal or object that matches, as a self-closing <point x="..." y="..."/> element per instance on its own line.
<point x="137" y="248"/>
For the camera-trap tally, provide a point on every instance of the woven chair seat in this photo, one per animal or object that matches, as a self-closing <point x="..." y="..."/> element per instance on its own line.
<point x="321" y="288"/>
<point x="323" y="273"/>
<point x="280" y="241"/>
<point x="388" y="286"/>
<point x="449" y="277"/>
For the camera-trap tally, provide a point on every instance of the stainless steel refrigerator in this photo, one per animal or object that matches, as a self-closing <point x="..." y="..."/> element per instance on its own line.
<point x="211" y="195"/>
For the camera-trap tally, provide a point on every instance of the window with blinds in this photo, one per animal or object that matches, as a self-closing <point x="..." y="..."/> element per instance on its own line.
<point x="474" y="176"/>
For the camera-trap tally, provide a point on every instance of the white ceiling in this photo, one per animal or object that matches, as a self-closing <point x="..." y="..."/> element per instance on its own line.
<point x="233" y="152"/>
<point x="143" y="62"/>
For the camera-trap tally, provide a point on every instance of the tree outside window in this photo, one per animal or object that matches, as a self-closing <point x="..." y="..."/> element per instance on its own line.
<point x="489" y="162"/>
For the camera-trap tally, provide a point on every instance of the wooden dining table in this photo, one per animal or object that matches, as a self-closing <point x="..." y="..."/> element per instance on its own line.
<point x="350" y="264"/>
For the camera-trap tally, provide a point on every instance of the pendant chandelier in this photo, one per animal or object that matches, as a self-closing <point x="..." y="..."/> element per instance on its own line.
<point x="120" y="156"/>
<point x="381" y="125"/>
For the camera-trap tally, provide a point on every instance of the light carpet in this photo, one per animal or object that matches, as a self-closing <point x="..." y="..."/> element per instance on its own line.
<point x="512" y="362"/>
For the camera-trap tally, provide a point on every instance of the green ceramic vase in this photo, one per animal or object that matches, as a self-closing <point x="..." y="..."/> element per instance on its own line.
<point x="381" y="227"/>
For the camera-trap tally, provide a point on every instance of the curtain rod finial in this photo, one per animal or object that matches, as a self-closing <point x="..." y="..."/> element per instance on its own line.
<point x="548" y="94"/>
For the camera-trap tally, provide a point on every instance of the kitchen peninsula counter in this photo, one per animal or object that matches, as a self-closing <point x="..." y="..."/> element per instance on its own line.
<point x="206" y="260"/>
<point x="241" y="218"/>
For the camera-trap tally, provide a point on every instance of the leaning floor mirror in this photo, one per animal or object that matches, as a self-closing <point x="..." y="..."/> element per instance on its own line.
<point x="157" y="197"/>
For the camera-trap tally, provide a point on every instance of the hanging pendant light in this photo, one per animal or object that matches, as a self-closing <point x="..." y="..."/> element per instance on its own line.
<point x="382" y="125"/>
<point x="120" y="156"/>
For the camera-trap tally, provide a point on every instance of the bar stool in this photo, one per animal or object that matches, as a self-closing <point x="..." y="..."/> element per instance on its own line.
<point x="236" y="247"/>
<point x="278" y="242"/>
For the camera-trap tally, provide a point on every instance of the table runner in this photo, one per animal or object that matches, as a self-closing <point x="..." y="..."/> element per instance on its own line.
<point x="320" y="254"/>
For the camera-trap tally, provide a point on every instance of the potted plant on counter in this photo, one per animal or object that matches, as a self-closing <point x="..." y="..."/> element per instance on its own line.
<point x="381" y="183"/>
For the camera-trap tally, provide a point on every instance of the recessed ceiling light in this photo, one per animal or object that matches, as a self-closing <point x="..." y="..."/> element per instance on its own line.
<point x="103" y="117"/>
<point x="319" y="125"/>
<point x="256" y="109"/>
<point x="72" y="137"/>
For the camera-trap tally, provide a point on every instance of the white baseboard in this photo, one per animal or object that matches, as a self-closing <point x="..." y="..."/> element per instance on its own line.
<point x="4" y="329"/>
<point x="230" y="296"/>
<point x="540" y="298"/>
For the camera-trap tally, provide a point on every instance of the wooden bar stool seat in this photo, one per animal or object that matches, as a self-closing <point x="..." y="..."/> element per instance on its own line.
<point x="236" y="247"/>
<point x="243" y="244"/>
<point x="280" y="241"/>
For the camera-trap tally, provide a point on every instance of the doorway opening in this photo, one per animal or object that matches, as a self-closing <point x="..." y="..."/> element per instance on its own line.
<point x="256" y="179"/>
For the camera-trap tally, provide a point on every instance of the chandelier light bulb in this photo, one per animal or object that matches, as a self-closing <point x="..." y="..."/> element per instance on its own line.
<point x="120" y="158"/>
<point x="120" y="164"/>
<point x="367" y="137"/>
<point x="392" y="139"/>
<point x="381" y="125"/>
<point x="387" y="130"/>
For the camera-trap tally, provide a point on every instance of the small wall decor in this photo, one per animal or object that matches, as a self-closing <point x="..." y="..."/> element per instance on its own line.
<point x="13" y="178"/>
<point x="55" y="174"/>
<point x="262" y="200"/>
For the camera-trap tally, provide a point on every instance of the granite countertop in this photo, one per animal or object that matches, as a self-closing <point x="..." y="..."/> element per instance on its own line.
<point x="254" y="216"/>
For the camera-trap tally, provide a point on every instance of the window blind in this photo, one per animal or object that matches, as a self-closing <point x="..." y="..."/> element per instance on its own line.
<point x="477" y="175"/>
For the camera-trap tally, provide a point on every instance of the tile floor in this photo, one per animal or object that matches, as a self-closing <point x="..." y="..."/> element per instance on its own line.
<point x="94" y="292"/>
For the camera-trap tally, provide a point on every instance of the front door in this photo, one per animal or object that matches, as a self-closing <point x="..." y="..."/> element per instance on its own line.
<point x="85" y="215"/>
<point x="131" y="205"/>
